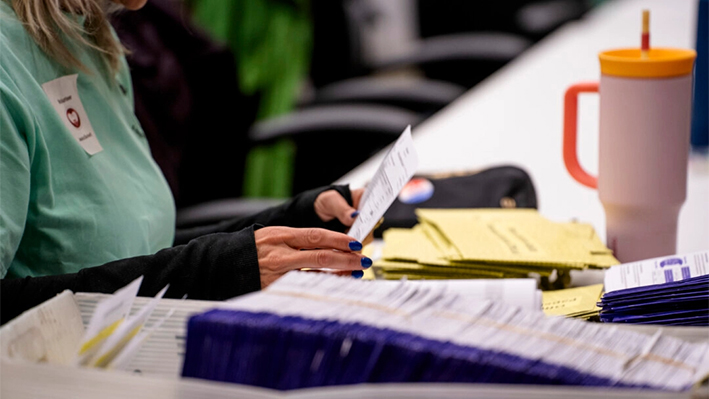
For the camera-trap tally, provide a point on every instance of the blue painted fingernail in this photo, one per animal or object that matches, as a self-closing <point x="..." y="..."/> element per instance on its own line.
<point x="357" y="273"/>
<point x="354" y="214"/>
<point x="355" y="246"/>
<point x="366" y="262"/>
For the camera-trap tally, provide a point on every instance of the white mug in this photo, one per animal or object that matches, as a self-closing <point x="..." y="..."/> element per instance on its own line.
<point x="645" y="121"/>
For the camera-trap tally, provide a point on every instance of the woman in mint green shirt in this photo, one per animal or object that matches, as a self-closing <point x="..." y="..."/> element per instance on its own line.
<point x="82" y="201"/>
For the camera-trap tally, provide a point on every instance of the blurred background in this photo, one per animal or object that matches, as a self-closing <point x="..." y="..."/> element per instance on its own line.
<point x="248" y="102"/>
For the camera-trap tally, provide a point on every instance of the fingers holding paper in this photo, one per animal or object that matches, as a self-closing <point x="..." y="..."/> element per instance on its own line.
<point x="331" y="205"/>
<point x="282" y="249"/>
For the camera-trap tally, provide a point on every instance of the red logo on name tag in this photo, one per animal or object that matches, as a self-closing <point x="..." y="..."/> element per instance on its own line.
<point x="73" y="117"/>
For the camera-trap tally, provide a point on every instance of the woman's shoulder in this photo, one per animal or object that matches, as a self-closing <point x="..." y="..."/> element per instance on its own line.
<point x="14" y="39"/>
<point x="11" y="26"/>
<point x="21" y="74"/>
<point x="6" y="12"/>
<point x="21" y="58"/>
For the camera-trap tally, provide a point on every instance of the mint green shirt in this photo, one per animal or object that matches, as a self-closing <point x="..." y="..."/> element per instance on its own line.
<point x="62" y="209"/>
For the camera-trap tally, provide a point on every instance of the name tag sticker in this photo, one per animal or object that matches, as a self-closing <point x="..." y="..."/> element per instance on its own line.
<point x="64" y="96"/>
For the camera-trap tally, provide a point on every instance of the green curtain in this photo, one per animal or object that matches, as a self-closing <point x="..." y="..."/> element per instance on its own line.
<point x="272" y="42"/>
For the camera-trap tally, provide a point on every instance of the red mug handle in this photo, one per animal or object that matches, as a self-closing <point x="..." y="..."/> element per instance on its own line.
<point x="571" y="160"/>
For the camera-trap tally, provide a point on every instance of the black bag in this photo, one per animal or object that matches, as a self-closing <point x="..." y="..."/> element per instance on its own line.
<point x="496" y="187"/>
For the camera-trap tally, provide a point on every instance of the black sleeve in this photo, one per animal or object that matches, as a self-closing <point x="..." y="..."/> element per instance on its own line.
<point x="297" y="212"/>
<point x="214" y="267"/>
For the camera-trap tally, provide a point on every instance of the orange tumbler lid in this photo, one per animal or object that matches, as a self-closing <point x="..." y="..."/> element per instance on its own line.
<point x="659" y="63"/>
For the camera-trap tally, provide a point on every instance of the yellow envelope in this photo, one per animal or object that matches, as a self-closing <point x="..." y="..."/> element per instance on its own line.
<point x="412" y="267"/>
<point x="579" y="300"/>
<point x="516" y="236"/>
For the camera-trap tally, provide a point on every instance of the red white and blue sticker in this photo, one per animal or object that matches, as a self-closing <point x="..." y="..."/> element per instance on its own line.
<point x="416" y="191"/>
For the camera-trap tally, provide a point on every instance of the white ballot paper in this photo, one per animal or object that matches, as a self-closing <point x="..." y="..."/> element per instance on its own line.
<point x="397" y="168"/>
<point x="112" y="329"/>
<point x="520" y="292"/>
<point x="125" y="332"/>
<point x="109" y="314"/>
<point x="656" y="271"/>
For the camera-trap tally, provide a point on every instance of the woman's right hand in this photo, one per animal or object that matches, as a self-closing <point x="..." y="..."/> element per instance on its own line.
<point x="282" y="249"/>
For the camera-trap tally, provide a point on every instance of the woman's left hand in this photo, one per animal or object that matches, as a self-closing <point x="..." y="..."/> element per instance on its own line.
<point x="330" y="205"/>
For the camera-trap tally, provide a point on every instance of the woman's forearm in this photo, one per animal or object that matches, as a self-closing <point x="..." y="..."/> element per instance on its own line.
<point x="213" y="267"/>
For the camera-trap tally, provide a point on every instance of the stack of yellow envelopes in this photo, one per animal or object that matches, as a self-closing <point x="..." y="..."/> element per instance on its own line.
<point x="489" y="243"/>
<point x="578" y="302"/>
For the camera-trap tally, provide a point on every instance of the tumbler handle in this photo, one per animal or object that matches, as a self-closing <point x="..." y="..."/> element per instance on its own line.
<point x="571" y="160"/>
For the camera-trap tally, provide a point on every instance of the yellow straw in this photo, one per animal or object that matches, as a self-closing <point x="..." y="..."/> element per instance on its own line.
<point x="645" y="38"/>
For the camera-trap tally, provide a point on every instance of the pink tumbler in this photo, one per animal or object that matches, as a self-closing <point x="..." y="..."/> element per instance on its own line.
<point x="645" y="120"/>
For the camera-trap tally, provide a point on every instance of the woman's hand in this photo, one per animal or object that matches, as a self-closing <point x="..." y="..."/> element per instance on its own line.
<point x="282" y="249"/>
<point x="330" y="205"/>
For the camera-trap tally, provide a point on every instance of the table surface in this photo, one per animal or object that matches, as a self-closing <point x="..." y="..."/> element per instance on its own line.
<point x="515" y="117"/>
<point x="30" y="381"/>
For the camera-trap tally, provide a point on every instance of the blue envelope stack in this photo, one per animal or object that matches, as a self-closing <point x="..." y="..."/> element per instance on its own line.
<point x="312" y="329"/>
<point x="678" y="303"/>
<point x="291" y="352"/>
